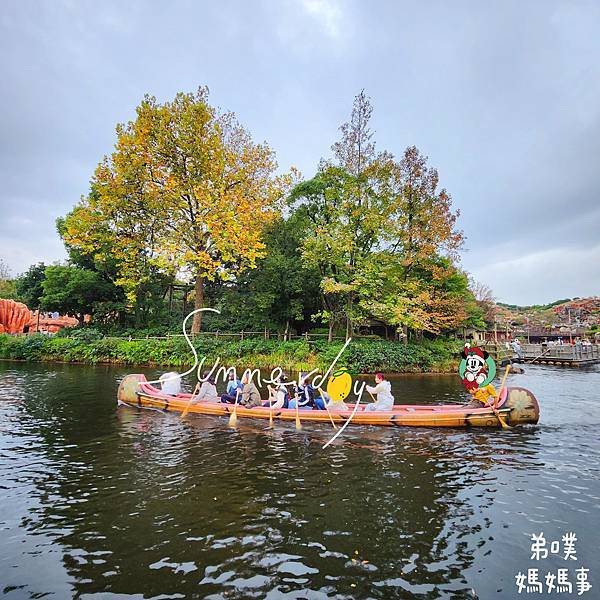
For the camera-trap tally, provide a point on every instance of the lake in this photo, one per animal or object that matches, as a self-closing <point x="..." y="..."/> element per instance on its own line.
<point x="100" y="501"/>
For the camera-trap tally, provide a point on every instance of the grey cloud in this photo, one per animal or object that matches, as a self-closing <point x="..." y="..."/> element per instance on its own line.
<point x="503" y="97"/>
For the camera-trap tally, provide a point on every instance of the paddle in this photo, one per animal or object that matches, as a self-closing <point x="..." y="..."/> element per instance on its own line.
<point x="540" y="356"/>
<point x="341" y="429"/>
<point x="187" y="408"/>
<point x="233" y="415"/>
<point x="270" y="407"/>
<point x="504" y="378"/>
<point x="298" y="424"/>
<point x="503" y="423"/>
<point x="374" y="399"/>
<point x="326" y="407"/>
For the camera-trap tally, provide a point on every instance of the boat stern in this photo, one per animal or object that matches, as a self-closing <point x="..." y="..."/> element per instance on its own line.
<point x="129" y="387"/>
<point x="524" y="407"/>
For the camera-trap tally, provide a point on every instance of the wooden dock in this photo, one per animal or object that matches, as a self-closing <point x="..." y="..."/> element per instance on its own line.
<point x="565" y="356"/>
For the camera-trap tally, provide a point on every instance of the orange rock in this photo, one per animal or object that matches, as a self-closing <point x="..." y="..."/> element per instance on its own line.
<point x="14" y="316"/>
<point x="50" y="325"/>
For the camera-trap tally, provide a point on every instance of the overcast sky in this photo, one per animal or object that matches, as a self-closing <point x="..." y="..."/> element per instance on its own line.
<point x="504" y="98"/>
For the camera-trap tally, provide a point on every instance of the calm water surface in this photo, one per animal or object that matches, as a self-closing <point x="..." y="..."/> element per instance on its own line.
<point x="105" y="502"/>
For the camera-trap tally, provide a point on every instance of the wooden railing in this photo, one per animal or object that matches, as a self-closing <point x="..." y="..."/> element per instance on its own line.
<point x="242" y="335"/>
<point x="566" y="351"/>
<point x="498" y="351"/>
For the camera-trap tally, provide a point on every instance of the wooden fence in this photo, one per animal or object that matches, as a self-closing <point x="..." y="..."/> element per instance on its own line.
<point x="565" y="352"/>
<point x="242" y="335"/>
<point x="498" y="351"/>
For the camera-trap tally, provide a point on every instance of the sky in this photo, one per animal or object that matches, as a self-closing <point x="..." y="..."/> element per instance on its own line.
<point x="503" y="97"/>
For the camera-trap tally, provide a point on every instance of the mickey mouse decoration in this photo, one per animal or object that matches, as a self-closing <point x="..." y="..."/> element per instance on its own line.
<point x="477" y="368"/>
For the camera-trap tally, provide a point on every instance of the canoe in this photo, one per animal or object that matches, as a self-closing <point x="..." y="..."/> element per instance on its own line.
<point x="516" y="406"/>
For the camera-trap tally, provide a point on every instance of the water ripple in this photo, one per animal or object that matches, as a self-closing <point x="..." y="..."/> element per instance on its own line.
<point x="121" y="502"/>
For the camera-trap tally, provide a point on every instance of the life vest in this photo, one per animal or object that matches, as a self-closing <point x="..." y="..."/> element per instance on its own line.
<point x="485" y="393"/>
<point x="306" y="395"/>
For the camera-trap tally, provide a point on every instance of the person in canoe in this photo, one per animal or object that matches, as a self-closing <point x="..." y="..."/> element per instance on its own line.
<point x="250" y="394"/>
<point x="305" y="395"/>
<point x="382" y="391"/>
<point x="279" y="396"/>
<point x="207" y="392"/>
<point x="170" y="383"/>
<point x="333" y="405"/>
<point x="484" y="395"/>
<point x="234" y="387"/>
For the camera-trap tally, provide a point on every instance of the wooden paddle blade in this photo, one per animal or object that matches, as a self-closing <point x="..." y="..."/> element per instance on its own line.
<point x="503" y="423"/>
<point x="330" y="417"/>
<point x="327" y="408"/>
<point x="233" y="415"/>
<point x="504" y="378"/>
<point x="189" y="404"/>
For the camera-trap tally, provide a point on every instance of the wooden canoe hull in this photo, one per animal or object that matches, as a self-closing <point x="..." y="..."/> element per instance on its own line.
<point x="516" y="406"/>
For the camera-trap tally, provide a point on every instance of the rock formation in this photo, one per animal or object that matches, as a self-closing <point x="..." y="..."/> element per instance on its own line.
<point x="14" y="316"/>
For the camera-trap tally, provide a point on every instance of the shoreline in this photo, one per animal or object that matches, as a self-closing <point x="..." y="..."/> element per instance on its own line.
<point x="435" y="357"/>
<point x="55" y="361"/>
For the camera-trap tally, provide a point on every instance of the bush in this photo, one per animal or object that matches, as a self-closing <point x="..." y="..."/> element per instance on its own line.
<point x="363" y="356"/>
<point x="11" y="347"/>
<point x="33" y="347"/>
<point x="85" y="334"/>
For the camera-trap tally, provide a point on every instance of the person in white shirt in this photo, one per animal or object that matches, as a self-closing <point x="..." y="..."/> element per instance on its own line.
<point x="170" y="383"/>
<point x="516" y="346"/>
<point x="279" y="395"/>
<point x="383" y="393"/>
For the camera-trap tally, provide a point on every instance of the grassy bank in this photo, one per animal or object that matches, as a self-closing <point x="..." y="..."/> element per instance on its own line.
<point x="360" y="357"/>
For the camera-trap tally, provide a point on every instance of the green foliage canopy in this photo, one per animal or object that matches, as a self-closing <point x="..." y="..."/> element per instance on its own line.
<point x="73" y="290"/>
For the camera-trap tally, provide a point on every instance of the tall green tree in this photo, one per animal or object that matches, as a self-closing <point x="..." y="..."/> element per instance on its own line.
<point x="29" y="285"/>
<point x="73" y="291"/>
<point x="344" y="204"/>
<point x="281" y="293"/>
<point x="186" y="189"/>
<point x="327" y="248"/>
<point x="147" y="307"/>
<point x="384" y="234"/>
<point x="7" y="284"/>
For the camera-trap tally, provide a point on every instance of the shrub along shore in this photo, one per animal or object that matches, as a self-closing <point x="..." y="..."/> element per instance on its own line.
<point x="362" y="356"/>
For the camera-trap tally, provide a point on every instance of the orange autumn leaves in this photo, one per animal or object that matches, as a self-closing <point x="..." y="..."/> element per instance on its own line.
<point x="186" y="191"/>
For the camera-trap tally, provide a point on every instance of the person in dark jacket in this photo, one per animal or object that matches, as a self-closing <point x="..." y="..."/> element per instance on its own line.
<point x="234" y="387"/>
<point x="306" y="397"/>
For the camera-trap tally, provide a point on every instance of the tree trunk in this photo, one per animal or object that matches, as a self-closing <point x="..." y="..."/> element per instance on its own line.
<point x="348" y="318"/>
<point x="198" y="303"/>
<point x="330" y="335"/>
<point x="137" y="311"/>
